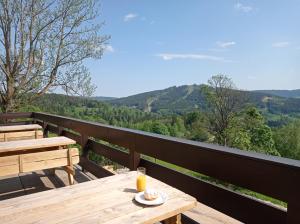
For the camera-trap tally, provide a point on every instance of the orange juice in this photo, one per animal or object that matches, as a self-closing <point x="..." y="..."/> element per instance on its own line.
<point x="141" y="183"/>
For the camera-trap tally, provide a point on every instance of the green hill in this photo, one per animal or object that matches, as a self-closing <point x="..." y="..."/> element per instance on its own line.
<point x="102" y="98"/>
<point x="185" y="98"/>
<point x="282" y="93"/>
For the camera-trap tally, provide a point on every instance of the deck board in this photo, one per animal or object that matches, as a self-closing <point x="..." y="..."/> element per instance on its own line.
<point x="32" y="182"/>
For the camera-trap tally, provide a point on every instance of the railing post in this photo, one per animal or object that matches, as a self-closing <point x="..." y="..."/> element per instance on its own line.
<point x="85" y="147"/>
<point x="45" y="129"/>
<point x="293" y="207"/>
<point x="134" y="157"/>
<point x="60" y="131"/>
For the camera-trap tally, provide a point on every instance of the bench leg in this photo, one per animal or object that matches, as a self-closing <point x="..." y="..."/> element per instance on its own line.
<point x="71" y="172"/>
<point x="173" y="220"/>
<point x="71" y="178"/>
<point x="70" y="168"/>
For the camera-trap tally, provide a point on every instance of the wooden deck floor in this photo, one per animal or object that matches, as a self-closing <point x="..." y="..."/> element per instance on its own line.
<point x="32" y="182"/>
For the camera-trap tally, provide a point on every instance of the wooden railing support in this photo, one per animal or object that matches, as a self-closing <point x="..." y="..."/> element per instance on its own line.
<point x="293" y="207"/>
<point x="60" y="130"/>
<point x="45" y="129"/>
<point x="134" y="159"/>
<point x="85" y="148"/>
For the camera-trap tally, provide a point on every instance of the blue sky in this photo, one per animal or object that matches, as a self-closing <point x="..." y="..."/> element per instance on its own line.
<point x="161" y="43"/>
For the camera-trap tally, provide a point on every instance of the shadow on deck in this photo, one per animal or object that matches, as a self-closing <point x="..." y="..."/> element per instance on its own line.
<point x="32" y="182"/>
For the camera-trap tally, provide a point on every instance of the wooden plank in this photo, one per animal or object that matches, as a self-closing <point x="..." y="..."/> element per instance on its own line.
<point x="31" y="182"/>
<point x="38" y="181"/>
<point x="34" y="144"/>
<point x="110" y="153"/>
<point x="37" y="161"/>
<point x="173" y="220"/>
<point x="206" y="215"/>
<point x="22" y="135"/>
<point x="10" y="187"/>
<point x="93" y="168"/>
<point x="9" y="160"/>
<point x="20" y="128"/>
<point x="48" y="155"/>
<point x="47" y="164"/>
<point x="9" y="170"/>
<point x="70" y="167"/>
<point x="42" y="180"/>
<point x="107" y="200"/>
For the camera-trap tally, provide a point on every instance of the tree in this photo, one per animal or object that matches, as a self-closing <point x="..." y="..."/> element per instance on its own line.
<point x="223" y="101"/>
<point x="159" y="128"/>
<point x="196" y="126"/>
<point x="248" y="131"/>
<point x="287" y="139"/>
<point x="43" y="44"/>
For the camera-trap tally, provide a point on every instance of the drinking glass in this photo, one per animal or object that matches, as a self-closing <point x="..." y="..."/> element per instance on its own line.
<point x="141" y="179"/>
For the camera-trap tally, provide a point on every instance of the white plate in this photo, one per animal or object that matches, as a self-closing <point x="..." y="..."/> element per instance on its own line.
<point x="139" y="197"/>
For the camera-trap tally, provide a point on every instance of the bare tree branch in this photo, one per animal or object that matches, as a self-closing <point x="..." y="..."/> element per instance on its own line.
<point x="42" y="46"/>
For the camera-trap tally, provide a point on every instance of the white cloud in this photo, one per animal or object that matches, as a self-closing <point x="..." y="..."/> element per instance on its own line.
<point x="225" y="44"/>
<point x="243" y="8"/>
<point x="170" y="56"/>
<point x="109" y="48"/>
<point x="281" y="44"/>
<point x="129" y="17"/>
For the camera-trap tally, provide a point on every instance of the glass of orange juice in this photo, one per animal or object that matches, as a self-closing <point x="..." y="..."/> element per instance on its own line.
<point x="141" y="179"/>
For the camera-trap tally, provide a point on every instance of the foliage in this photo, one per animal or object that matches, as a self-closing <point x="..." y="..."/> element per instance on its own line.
<point x="223" y="102"/>
<point x="287" y="140"/>
<point x="249" y="131"/>
<point x="42" y="46"/>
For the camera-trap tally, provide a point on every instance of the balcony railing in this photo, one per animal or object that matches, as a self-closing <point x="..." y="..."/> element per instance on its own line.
<point x="276" y="177"/>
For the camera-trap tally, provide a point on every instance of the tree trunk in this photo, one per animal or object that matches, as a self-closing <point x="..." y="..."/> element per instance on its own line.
<point x="8" y="104"/>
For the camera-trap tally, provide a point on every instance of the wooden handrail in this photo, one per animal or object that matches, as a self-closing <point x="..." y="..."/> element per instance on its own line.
<point x="273" y="176"/>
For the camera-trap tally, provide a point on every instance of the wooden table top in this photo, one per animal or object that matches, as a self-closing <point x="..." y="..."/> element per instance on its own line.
<point x="20" y="128"/>
<point x="107" y="200"/>
<point x="34" y="144"/>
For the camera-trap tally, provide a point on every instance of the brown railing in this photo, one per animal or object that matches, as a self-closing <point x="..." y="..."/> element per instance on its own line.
<point x="276" y="177"/>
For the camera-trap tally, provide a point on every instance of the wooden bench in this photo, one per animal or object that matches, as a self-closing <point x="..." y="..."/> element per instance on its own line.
<point x="206" y="215"/>
<point x="38" y="154"/>
<point x="20" y="132"/>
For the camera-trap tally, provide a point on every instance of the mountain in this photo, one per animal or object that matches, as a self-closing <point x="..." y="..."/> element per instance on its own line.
<point x="102" y="98"/>
<point x="185" y="98"/>
<point x="283" y="93"/>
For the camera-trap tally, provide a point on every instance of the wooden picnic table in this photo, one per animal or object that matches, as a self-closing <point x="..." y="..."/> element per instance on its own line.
<point x="38" y="154"/>
<point x="34" y="144"/>
<point x="108" y="200"/>
<point x="13" y="128"/>
<point x="20" y="132"/>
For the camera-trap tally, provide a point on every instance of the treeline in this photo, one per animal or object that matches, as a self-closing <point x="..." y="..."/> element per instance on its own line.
<point x="247" y="129"/>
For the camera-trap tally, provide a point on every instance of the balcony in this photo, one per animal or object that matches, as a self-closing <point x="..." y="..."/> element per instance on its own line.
<point x="275" y="177"/>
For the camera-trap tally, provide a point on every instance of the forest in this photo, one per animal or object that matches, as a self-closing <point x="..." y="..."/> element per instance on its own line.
<point x="249" y="129"/>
